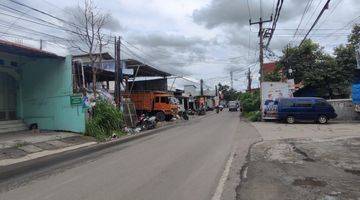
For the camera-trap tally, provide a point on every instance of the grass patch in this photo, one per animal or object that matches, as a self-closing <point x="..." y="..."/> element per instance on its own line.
<point x="106" y="121"/>
<point x="253" y="116"/>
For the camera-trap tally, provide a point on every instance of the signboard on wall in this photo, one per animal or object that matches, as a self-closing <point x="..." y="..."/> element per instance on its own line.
<point x="76" y="100"/>
<point x="270" y="92"/>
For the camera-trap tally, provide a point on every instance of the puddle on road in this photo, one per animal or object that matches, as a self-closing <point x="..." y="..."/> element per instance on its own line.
<point x="309" y="181"/>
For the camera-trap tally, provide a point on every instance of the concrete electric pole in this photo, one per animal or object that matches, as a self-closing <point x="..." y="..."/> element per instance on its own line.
<point x="249" y="80"/>
<point x="232" y="79"/>
<point x="118" y="72"/>
<point x="201" y="87"/>
<point x="261" y="54"/>
<point x="261" y="43"/>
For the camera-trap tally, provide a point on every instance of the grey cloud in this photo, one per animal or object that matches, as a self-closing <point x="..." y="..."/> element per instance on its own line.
<point x="173" y="51"/>
<point x="225" y="12"/>
<point x="237" y="36"/>
<point x="168" y="40"/>
<point x="113" y="24"/>
<point x="171" y="48"/>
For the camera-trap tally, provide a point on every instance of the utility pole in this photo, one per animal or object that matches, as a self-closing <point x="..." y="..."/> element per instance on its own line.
<point x="201" y="87"/>
<point x="117" y="72"/>
<point x="249" y="80"/>
<point x="232" y="79"/>
<point x="41" y="44"/>
<point x="120" y="68"/>
<point x="261" y="43"/>
<point x="261" y="54"/>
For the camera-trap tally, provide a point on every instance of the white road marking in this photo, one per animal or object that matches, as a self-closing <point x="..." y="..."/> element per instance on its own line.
<point x="220" y="188"/>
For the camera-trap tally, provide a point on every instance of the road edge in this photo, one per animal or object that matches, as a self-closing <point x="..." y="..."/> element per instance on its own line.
<point x="239" y="160"/>
<point x="22" y="168"/>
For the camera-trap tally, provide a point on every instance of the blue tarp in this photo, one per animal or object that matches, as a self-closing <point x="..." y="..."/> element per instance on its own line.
<point x="356" y="93"/>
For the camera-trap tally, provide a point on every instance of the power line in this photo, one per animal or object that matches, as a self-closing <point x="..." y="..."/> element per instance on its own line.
<point x="276" y="18"/>
<point x="27" y="20"/>
<point x="22" y="28"/>
<point x="248" y="6"/>
<point x="50" y="24"/>
<point x="326" y="6"/>
<point x="330" y="14"/>
<point x="346" y="25"/>
<point x="307" y="7"/>
<point x="42" y="12"/>
<point x="261" y="9"/>
<point x="313" y="13"/>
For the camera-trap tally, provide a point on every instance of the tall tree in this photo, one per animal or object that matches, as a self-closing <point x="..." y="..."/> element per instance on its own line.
<point x="300" y="59"/>
<point x="346" y="54"/>
<point x="88" y="25"/>
<point x="229" y="94"/>
<point x="329" y="76"/>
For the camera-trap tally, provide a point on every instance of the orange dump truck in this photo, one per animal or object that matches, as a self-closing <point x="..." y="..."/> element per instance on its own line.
<point x="161" y="104"/>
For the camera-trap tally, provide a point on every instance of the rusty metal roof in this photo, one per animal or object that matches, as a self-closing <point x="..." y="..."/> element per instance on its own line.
<point x="144" y="69"/>
<point x="18" y="49"/>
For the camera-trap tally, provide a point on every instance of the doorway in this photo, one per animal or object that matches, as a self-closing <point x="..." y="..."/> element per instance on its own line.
<point x="8" y="97"/>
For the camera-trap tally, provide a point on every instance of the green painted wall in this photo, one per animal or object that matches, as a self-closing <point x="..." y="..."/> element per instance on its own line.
<point x="46" y="86"/>
<point x="43" y="93"/>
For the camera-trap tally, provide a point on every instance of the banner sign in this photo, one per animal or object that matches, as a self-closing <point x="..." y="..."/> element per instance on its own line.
<point x="270" y="92"/>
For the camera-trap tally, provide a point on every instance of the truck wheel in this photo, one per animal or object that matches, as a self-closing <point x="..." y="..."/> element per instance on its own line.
<point x="290" y="119"/>
<point x="322" y="119"/>
<point x="160" y="116"/>
<point x="168" y="117"/>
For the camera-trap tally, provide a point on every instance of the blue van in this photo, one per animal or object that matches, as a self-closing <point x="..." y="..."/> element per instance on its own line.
<point x="304" y="109"/>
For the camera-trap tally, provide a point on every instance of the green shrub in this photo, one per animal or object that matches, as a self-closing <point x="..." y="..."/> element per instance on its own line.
<point x="250" y="102"/>
<point x="106" y="121"/>
<point x="254" y="116"/>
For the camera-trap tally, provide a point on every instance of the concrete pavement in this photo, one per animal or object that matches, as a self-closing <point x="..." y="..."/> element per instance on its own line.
<point x="18" y="147"/>
<point x="185" y="162"/>
<point x="303" y="161"/>
<point x="276" y="131"/>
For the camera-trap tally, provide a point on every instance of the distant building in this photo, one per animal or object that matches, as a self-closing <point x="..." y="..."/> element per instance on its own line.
<point x="269" y="67"/>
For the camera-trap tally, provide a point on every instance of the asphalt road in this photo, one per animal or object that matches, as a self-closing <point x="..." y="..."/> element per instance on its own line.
<point x="186" y="162"/>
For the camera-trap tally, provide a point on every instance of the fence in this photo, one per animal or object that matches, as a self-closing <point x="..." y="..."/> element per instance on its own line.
<point x="345" y="109"/>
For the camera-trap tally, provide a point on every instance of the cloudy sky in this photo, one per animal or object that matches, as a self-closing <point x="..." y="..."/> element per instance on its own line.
<point x="196" y="38"/>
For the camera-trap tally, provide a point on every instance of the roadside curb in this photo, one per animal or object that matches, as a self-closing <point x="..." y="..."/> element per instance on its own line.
<point x="21" y="168"/>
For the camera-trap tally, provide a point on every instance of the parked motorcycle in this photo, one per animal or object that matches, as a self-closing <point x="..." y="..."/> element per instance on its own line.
<point x="146" y="122"/>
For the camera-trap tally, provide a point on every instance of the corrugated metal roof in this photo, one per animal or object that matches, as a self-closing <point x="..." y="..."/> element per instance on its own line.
<point x="144" y="69"/>
<point x="18" y="49"/>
